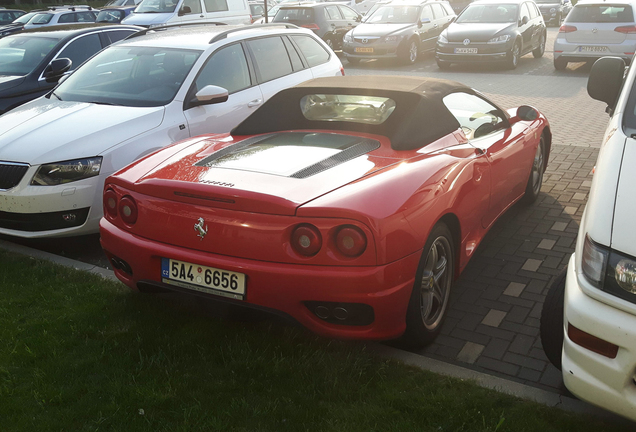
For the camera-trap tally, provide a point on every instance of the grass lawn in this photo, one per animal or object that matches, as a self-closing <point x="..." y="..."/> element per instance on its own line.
<point x="78" y="353"/>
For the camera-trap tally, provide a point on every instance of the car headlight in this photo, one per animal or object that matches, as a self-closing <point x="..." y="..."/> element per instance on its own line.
<point x="392" y="38"/>
<point x="65" y="172"/>
<point x="347" y="37"/>
<point x="553" y="10"/>
<point x="442" y="38"/>
<point x="594" y="261"/>
<point x="499" y="39"/>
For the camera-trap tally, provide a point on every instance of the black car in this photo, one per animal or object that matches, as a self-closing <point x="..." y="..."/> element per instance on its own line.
<point x="17" y="24"/>
<point x="493" y="31"/>
<point x="32" y="61"/>
<point x="7" y="16"/>
<point x="554" y="11"/>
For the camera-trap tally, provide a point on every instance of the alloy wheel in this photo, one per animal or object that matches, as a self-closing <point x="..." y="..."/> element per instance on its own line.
<point x="537" y="169"/>
<point x="435" y="283"/>
<point x="412" y="52"/>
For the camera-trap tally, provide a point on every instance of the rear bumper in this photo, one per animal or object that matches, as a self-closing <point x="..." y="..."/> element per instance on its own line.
<point x="608" y="383"/>
<point x="571" y="51"/>
<point x="285" y="287"/>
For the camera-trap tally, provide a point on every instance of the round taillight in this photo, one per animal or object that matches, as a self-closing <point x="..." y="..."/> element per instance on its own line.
<point x="110" y="203"/>
<point x="128" y="210"/>
<point x="351" y="241"/>
<point x="306" y="240"/>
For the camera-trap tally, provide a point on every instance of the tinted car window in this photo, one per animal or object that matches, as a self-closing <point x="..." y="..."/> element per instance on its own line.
<point x="19" y="55"/>
<point x="41" y="19"/>
<point x="300" y="15"/>
<point x="488" y="13"/>
<point x="226" y="68"/>
<point x="525" y="12"/>
<point x="314" y="53"/>
<point x="110" y="77"/>
<point x="297" y="64"/>
<point x="601" y="13"/>
<point x="475" y="116"/>
<point x="66" y="18"/>
<point x="427" y="14"/>
<point x="333" y="12"/>
<point x="394" y="15"/>
<point x="215" y="5"/>
<point x="81" y="49"/>
<point x="271" y="58"/>
<point x="194" y="5"/>
<point x="117" y="35"/>
<point x="156" y="6"/>
<point x="85" y="17"/>
<point x="25" y="18"/>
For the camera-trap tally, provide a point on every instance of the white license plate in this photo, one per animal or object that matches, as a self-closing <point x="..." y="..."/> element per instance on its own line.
<point x="209" y="280"/>
<point x="465" y="50"/>
<point x="592" y="48"/>
<point x="363" y="50"/>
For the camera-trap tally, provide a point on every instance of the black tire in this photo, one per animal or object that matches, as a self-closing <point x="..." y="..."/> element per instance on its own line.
<point x="431" y="292"/>
<point x="512" y="60"/>
<point x="353" y="60"/>
<point x="409" y="52"/>
<point x="538" y="51"/>
<point x="535" y="180"/>
<point x="443" y="64"/>
<point x="551" y="323"/>
<point x="560" y="63"/>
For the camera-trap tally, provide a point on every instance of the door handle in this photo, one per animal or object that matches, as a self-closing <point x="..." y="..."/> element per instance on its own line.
<point x="255" y="102"/>
<point x="435" y="25"/>
<point x="201" y="16"/>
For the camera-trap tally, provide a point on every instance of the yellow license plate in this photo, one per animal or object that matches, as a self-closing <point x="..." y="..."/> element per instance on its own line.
<point x="200" y="278"/>
<point x="364" y="50"/>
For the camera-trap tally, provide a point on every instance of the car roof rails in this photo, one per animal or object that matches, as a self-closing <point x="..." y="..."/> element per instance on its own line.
<point x="69" y="7"/>
<point x="170" y="26"/>
<point x="225" y="34"/>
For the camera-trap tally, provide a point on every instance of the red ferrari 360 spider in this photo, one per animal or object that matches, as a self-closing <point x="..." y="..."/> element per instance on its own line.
<point x="349" y="204"/>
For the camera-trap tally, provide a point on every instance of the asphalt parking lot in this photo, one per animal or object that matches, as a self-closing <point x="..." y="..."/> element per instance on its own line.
<point x="493" y="322"/>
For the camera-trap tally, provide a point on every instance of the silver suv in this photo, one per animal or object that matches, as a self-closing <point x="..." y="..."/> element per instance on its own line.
<point x="595" y="29"/>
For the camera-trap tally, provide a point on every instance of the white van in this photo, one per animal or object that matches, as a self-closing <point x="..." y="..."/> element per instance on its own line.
<point x="154" y="13"/>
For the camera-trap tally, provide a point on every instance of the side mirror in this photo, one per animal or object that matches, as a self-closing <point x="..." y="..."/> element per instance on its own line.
<point x="524" y="20"/>
<point x="184" y="10"/>
<point x="606" y="80"/>
<point x="453" y="19"/>
<point x="209" y="95"/>
<point x="359" y="18"/>
<point x="54" y="71"/>
<point x="527" y="113"/>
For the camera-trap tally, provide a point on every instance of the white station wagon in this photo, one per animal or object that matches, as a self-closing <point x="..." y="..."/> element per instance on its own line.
<point x="588" y="323"/>
<point x="132" y="98"/>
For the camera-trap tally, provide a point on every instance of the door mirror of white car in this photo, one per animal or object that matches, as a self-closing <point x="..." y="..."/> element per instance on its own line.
<point x="524" y="20"/>
<point x="56" y="69"/>
<point x="606" y="80"/>
<point x="184" y="10"/>
<point x="209" y="95"/>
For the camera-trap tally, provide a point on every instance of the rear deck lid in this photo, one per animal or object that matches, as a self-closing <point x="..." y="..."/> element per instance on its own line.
<point x="597" y="23"/>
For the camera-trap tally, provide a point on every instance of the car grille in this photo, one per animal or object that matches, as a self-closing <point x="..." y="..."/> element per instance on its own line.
<point x="11" y="174"/>
<point x="369" y="40"/>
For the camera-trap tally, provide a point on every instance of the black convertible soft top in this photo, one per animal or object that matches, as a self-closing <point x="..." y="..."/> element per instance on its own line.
<point x="420" y="117"/>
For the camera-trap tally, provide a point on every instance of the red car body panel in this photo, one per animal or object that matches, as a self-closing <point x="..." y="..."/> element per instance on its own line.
<point x="394" y="197"/>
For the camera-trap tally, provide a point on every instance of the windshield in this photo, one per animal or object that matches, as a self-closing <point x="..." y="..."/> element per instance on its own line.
<point x="25" y="18"/>
<point x="489" y="13"/>
<point x="129" y="76"/>
<point x="394" y="15"/>
<point x="157" y="6"/>
<point x="41" y="18"/>
<point x="110" y="16"/>
<point x="19" y="55"/>
<point x="601" y="13"/>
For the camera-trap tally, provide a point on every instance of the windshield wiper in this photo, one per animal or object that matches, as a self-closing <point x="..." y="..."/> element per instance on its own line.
<point x="103" y="103"/>
<point x="58" y="98"/>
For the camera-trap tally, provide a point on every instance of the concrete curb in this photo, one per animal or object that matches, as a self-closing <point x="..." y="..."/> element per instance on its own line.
<point x="481" y="379"/>
<point x="66" y="262"/>
<point x="501" y="385"/>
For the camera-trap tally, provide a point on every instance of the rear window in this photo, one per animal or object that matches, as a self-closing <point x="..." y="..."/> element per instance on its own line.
<point x="300" y="15"/>
<point x="347" y="108"/>
<point x="601" y="13"/>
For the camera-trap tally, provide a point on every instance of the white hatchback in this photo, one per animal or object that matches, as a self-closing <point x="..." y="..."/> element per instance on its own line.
<point x="594" y="29"/>
<point x="588" y="323"/>
<point x="134" y="97"/>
